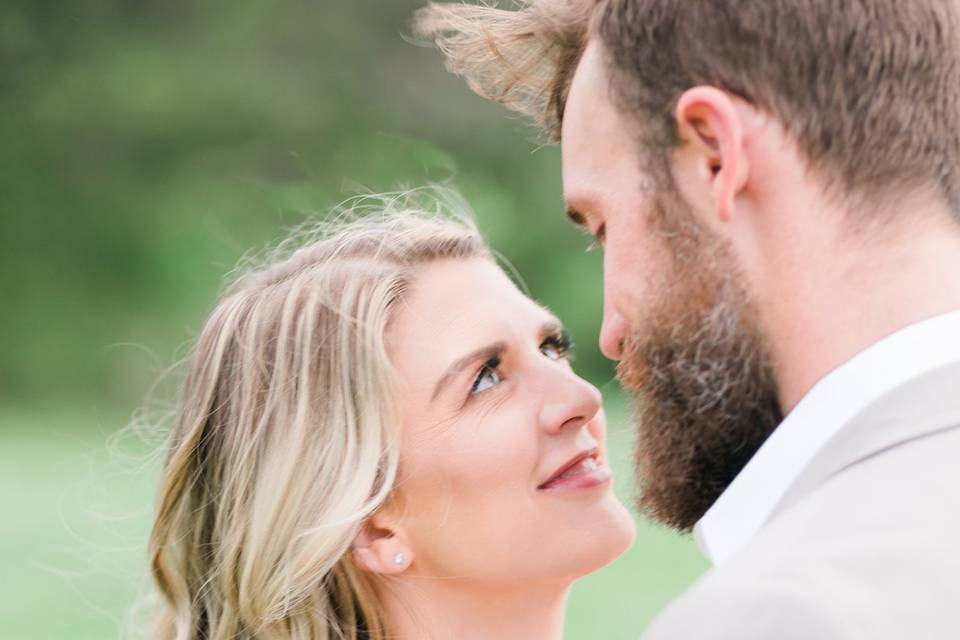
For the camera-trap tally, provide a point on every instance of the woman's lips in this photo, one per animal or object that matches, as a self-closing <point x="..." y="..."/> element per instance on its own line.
<point x="582" y="472"/>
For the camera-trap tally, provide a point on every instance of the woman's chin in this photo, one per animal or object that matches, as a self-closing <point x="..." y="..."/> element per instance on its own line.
<point x="602" y="537"/>
<point x="621" y="532"/>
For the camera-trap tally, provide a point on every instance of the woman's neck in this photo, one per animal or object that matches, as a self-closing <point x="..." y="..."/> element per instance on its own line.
<point x="437" y="609"/>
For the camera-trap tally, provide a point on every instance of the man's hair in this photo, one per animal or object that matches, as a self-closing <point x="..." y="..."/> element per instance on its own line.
<point x="868" y="89"/>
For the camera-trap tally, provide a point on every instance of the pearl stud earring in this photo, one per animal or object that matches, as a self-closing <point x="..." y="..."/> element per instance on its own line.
<point x="399" y="559"/>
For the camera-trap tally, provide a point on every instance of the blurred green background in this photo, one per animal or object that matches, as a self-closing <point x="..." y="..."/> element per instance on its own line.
<point x="144" y="148"/>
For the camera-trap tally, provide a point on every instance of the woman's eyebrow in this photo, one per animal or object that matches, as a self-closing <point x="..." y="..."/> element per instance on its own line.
<point x="552" y="327"/>
<point x="483" y="353"/>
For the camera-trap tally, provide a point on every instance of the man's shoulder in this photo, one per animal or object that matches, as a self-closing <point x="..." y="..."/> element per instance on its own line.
<point x="871" y="552"/>
<point x="727" y="605"/>
<point x="784" y="585"/>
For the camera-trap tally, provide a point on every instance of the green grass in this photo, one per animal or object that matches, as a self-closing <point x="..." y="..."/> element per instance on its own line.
<point x="76" y="519"/>
<point x="73" y="536"/>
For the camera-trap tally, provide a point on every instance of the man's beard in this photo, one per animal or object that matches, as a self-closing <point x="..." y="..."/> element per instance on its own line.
<point x="700" y="372"/>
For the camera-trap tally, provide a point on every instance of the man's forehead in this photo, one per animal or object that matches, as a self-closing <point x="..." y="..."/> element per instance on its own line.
<point x="587" y="88"/>
<point x="593" y="131"/>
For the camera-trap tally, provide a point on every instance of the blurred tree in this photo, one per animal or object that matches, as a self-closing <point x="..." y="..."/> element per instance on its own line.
<point x="146" y="146"/>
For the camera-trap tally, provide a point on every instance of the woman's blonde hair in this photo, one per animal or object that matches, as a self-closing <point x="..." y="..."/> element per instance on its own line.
<point x="285" y="439"/>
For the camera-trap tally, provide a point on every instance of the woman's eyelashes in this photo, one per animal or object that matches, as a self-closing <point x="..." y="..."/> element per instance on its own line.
<point x="488" y="376"/>
<point x="558" y="346"/>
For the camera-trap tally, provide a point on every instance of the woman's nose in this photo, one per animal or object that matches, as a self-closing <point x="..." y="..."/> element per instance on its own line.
<point x="570" y="402"/>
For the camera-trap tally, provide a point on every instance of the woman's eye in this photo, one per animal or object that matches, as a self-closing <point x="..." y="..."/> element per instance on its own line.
<point x="557" y="347"/>
<point x="551" y="351"/>
<point x="488" y="378"/>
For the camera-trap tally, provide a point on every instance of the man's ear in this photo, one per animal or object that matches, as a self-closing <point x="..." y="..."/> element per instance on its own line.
<point x="711" y="121"/>
<point x="377" y="548"/>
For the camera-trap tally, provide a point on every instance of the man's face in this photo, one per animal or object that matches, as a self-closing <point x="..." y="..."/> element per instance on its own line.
<point x="678" y="315"/>
<point x="607" y="194"/>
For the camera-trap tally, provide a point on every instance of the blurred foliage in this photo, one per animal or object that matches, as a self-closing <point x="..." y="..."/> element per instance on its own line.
<point x="148" y="145"/>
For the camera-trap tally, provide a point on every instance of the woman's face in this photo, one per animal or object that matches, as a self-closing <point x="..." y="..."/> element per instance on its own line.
<point x="503" y="468"/>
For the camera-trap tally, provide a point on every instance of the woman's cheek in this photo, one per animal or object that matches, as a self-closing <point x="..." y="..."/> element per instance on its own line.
<point x="598" y="428"/>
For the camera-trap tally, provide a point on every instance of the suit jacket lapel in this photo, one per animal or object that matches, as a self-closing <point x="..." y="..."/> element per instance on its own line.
<point x="919" y="408"/>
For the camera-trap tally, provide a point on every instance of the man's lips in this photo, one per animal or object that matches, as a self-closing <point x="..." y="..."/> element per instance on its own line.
<point x="571" y="465"/>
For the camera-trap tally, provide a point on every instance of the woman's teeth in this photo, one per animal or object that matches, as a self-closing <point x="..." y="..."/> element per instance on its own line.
<point x="584" y="466"/>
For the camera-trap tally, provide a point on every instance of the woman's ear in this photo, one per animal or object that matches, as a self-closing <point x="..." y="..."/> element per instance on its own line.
<point x="709" y="120"/>
<point x="377" y="549"/>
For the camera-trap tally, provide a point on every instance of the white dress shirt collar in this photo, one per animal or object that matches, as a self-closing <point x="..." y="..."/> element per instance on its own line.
<point x="749" y="501"/>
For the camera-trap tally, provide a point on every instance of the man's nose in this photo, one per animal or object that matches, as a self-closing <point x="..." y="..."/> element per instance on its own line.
<point x="612" y="334"/>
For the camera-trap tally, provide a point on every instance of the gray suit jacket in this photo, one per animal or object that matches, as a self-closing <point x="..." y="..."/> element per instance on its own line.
<point x="865" y="544"/>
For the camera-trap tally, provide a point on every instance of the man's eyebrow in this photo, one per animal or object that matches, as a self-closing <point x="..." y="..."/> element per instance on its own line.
<point x="485" y="354"/>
